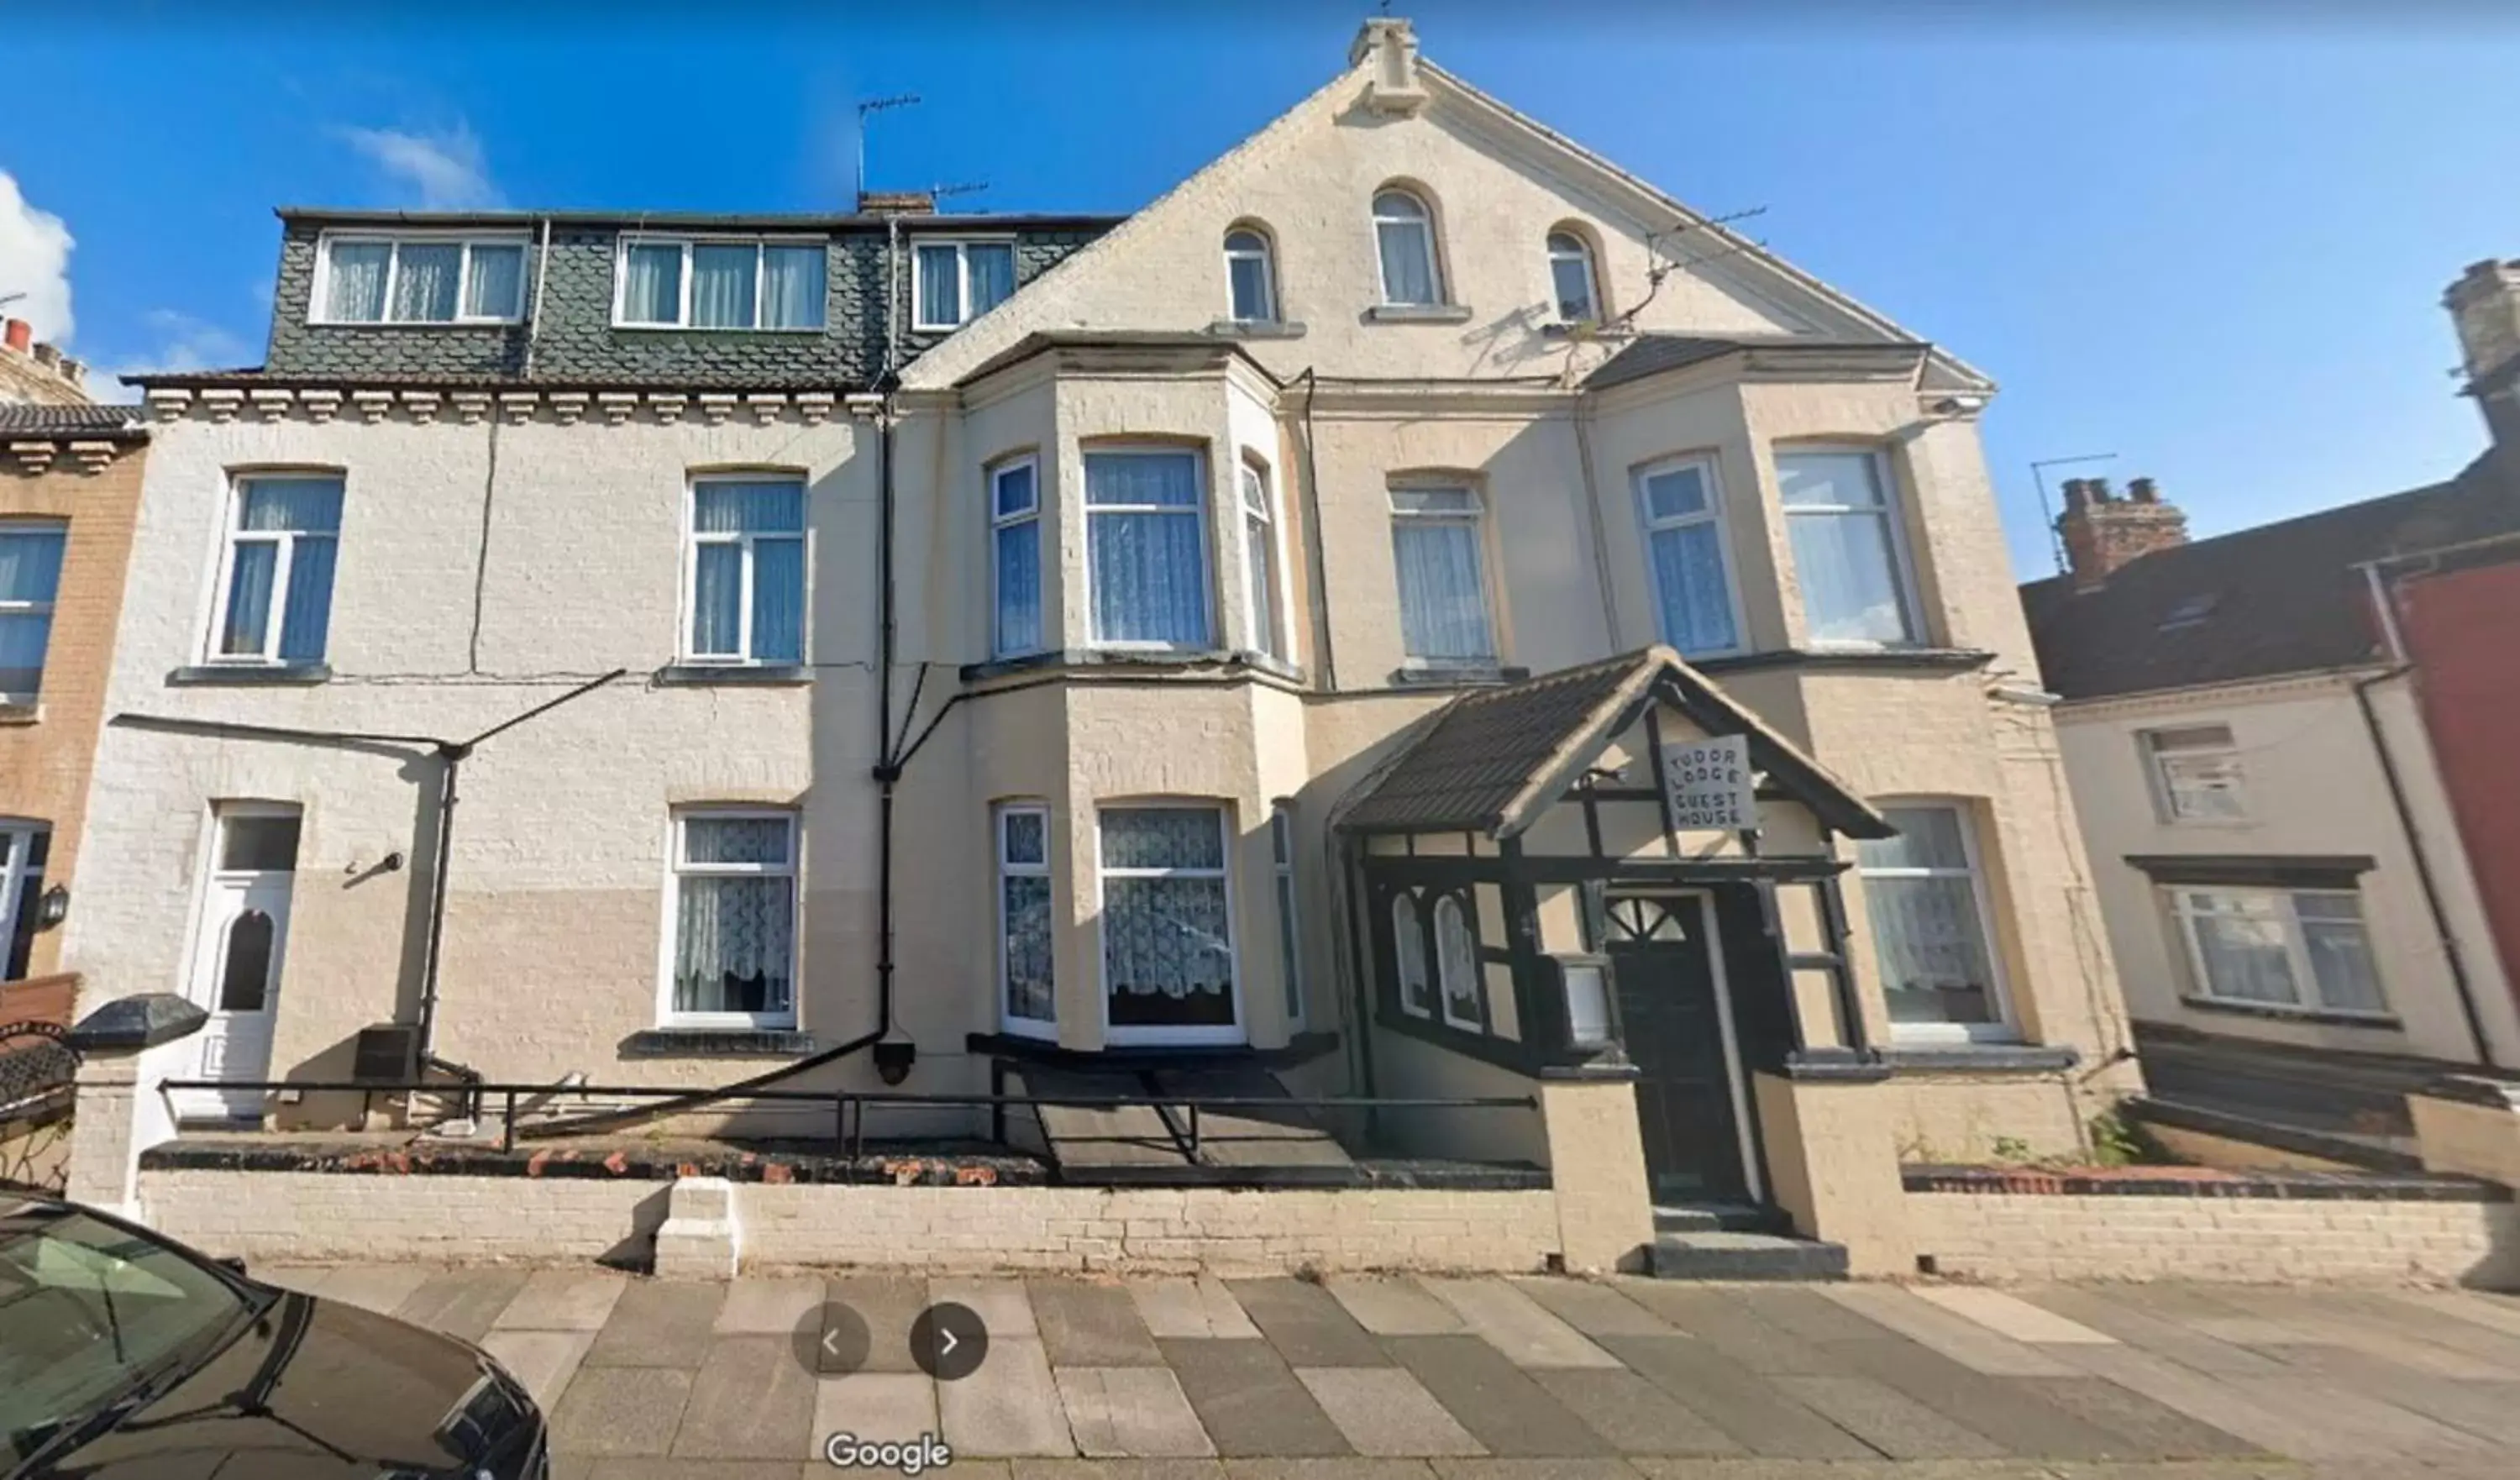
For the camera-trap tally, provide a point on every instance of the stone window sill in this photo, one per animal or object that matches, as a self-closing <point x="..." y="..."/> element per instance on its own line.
<point x="1980" y="1058"/>
<point x="1419" y="313"/>
<point x="1256" y="329"/>
<point x="1056" y="659"/>
<point x="2386" y="1022"/>
<point x="28" y="713"/>
<point x="717" y="1043"/>
<point x="249" y="675"/>
<point x="771" y="674"/>
<point x="1454" y="675"/>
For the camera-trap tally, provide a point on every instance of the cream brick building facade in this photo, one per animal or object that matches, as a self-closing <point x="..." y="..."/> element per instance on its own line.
<point x="507" y="535"/>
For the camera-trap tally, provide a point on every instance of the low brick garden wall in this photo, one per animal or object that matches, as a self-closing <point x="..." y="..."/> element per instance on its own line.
<point x="2190" y="1222"/>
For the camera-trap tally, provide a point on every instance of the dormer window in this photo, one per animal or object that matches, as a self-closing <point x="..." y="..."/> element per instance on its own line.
<point x="1404" y="237"/>
<point x="421" y="280"/>
<point x="957" y="282"/>
<point x="1250" y="282"/>
<point x="719" y="283"/>
<point x="1572" y="280"/>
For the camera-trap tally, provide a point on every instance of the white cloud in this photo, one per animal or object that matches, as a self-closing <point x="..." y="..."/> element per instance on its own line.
<point x="36" y="261"/>
<point x="183" y="343"/>
<point x="441" y="172"/>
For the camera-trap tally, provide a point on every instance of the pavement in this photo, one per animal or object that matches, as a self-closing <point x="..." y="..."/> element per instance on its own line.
<point x="1402" y="1378"/>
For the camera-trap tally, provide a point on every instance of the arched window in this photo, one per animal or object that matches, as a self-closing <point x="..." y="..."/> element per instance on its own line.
<point x="1572" y="279"/>
<point x="1456" y="956"/>
<point x="1409" y="952"/>
<point x="1251" y="278"/>
<point x="1403" y="236"/>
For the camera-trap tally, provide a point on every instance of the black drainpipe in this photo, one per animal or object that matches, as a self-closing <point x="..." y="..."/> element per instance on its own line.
<point x="892" y="1060"/>
<point x="2423" y="863"/>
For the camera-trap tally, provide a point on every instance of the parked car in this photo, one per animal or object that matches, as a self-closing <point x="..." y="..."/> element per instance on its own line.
<point x="124" y="1353"/>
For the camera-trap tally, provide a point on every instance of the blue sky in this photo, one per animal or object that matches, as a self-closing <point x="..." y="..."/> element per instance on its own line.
<point x="2216" y="250"/>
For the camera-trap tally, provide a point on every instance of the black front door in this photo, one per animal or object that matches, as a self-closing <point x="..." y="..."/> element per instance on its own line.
<point x="1660" y="955"/>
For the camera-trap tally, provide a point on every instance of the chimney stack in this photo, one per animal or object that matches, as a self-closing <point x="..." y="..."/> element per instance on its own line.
<point x="19" y="335"/>
<point x="2103" y="533"/>
<point x="2485" y="307"/>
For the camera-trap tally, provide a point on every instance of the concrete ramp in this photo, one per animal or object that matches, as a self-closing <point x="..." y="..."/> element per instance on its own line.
<point x="1248" y="1137"/>
<point x="1098" y="1140"/>
<point x="1153" y="1143"/>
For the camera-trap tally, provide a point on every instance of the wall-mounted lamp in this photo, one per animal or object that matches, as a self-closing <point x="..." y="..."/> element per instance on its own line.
<point x="893" y="1057"/>
<point x="52" y="907"/>
<point x="1960" y="406"/>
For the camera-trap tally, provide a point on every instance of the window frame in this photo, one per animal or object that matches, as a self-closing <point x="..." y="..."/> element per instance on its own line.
<point x="1290" y="934"/>
<point x="1029" y="1027"/>
<point x="2297" y="956"/>
<point x="2160" y="761"/>
<point x="18" y="875"/>
<point x="1266" y="254"/>
<point x="687" y="640"/>
<point x="1418" y="936"/>
<point x="999" y="524"/>
<point x="2005" y="1026"/>
<point x="1591" y="263"/>
<point x="1647" y="526"/>
<point x="1201" y="473"/>
<point x="319" y="307"/>
<point x="678" y="868"/>
<point x="1892" y="510"/>
<point x="1477" y="518"/>
<point x="759" y="243"/>
<point x="1121" y="1035"/>
<point x="26" y="607"/>
<point x="1465" y="911"/>
<point x="275" y="618"/>
<point x="1276" y="640"/>
<point x="1436" y="278"/>
<point x="961" y="278"/>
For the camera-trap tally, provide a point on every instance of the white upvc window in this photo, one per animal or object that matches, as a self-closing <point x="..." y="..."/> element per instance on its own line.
<point x="719" y="283"/>
<point x="953" y="283"/>
<point x="31" y="577"/>
<point x="1457" y="964"/>
<point x="1014" y="571"/>
<point x="744" y="567"/>
<point x="1264" y="606"/>
<point x="2280" y="949"/>
<point x="1687" y="556"/>
<point x="731" y="921"/>
<point x="1145" y="547"/>
<point x="1166" y="906"/>
<point x="1573" y="284"/>
<point x="2197" y="775"/>
<point x="1440" y="563"/>
<point x="1403" y="244"/>
<point x="1924" y="897"/>
<point x="1251" y="277"/>
<point x="1850" y="547"/>
<point x="421" y="278"/>
<point x="1026" y="980"/>
<point x="1290" y="953"/>
<point x="275" y="590"/>
<point x="1408" y="957"/>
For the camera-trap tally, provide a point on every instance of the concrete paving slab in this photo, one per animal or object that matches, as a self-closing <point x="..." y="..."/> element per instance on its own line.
<point x="377" y="1287"/>
<point x="2139" y="1427"/>
<point x="1383" y="1412"/>
<point x="1191" y="1309"/>
<point x="1389" y="1306"/>
<point x="756" y="1307"/>
<point x="659" y="1323"/>
<point x="1754" y="1412"/>
<point x="2103" y="1311"/>
<point x="1084" y="1324"/>
<point x="2490" y="1411"/>
<point x="882" y="1408"/>
<point x="1508" y="1469"/>
<point x="1130" y="1412"/>
<point x="639" y="1468"/>
<point x="751" y="1399"/>
<point x="2381" y="1311"/>
<point x="304" y="1278"/>
<point x="1010" y="1406"/>
<point x="563" y="1300"/>
<point x="1964" y="1341"/>
<point x="1110" y="1469"/>
<point x="543" y="1360"/>
<point x="887" y="1305"/>
<point x="2328" y="1318"/>
<point x="1633" y="1416"/>
<point x="1494" y="1399"/>
<point x="2219" y="1402"/>
<point x="1596" y="1309"/>
<point x="1516" y="1324"/>
<point x="620" y="1410"/>
<point x="2010" y="1316"/>
<point x="1001" y="1304"/>
<point x="462" y="1303"/>
<point x="2002" y="1409"/>
<point x="2201" y="1308"/>
<point x="2356" y="1424"/>
<point x="1735" y="1329"/>
<point x="1306" y="1325"/>
<point x="1888" y="1419"/>
<point x="2488" y="1311"/>
<point x="1249" y="1401"/>
<point x="1795" y="1311"/>
<point x="1302" y="1469"/>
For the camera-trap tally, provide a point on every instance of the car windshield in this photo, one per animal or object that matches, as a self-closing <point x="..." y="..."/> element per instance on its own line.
<point x="87" y="1313"/>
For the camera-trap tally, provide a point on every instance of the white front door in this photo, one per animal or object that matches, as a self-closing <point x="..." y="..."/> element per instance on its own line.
<point x="236" y="962"/>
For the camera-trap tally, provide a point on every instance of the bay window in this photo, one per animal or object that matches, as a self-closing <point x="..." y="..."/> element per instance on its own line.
<point x="1685" y="555"/>
<point x="1167" y="924"/>
<point x="706" y="283"/>
<point x="1025" y="976"/>
<point x="1260" y="562"/>
<point x="2298" y="950"/>
<point x="1924" y="896"/>
<point x="421" y="280"/>
<point x="746" y="572"/>
<point x="1146" y="536"/>
<point x="1408" y="957"/>
<point x="1435" y="547"/>
<point x="1015" y="537"/>
<point x="732" y="930"/>
<point x="275" y="601"/>
<point x="1282" y="858"/>
<point x="1850" y="554"/>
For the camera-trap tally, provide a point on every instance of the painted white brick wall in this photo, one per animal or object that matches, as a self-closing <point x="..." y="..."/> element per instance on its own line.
<point x="2263" y="1241"/>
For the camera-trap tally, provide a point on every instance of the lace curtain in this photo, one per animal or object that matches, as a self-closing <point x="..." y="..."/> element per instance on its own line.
<point x="652" y="282"/>
<point x="1457" y="956"/>
<point x="792" y="287"/>
<point x="722" y="285"/>
<point x="496" y="288"/>
<point x="1838" y="519"/>
<point x="1167" y="944"/>
<point x="1408" y="953"/>
<point x="735" y="943"/>
<point x="1148" y="563"/>
<point x="355" y="293"/>
<point x="1689" y="575"/>
<point x="425" y="278"/>
<point x="940" y="285"/>
<point x="1443" y="601"/>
